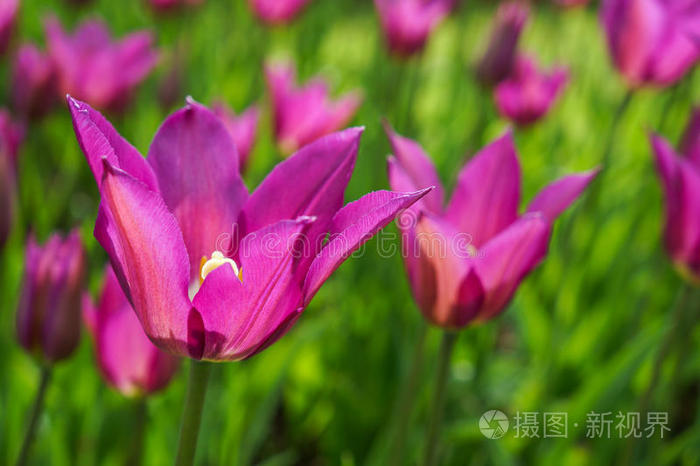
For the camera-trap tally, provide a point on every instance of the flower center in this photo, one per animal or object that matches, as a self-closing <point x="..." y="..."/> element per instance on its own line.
<point x="217" y="260"/>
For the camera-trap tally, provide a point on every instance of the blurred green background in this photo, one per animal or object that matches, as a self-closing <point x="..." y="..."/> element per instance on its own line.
<point x="581" y="335"/>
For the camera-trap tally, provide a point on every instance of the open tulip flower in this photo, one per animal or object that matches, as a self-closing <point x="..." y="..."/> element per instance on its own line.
<point x="212" y="272"/>
<point x="680" y="179"/>
<point x="499" y="59"/>
<point x="277" y="11"/>
<point x="304" y="114"/>
<point x="528" y="93"/>
<point x="48" y="317"/>
<point x="33" y="82"/>
<point x="407" y="24"/>
<point x="652" y="42"/>
<point x="93" y="67"/>
<point x="126" y="357"/>
<point x="242" y="129"/>
<point x="465" y="261"/>
<point x="11" y="136"/>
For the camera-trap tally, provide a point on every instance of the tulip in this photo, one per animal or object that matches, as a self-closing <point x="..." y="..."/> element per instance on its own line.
<point x="11" y="135"/>
<point x="242" y="129"/>
<point x="680" y="179"/>
<point x="465" y="261"/>
<point x="170" y="5"/>
<point x="652" y="42"/>
<point x="126" y="357"/>
<point x="408" y="23"/>
<point x="33" y="82"/>
<point x="528" y="93"/>
<point x="499" y="59"/>
<point x="276" y="12"/>
<point x="570" y="3"/>
<point x="8" y="17"/>
<point x="302" y="115"/>
<point x="93" y="67"/>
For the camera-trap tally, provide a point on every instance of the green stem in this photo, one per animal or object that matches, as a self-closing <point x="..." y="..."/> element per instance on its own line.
<point x="192" y="413"/>
<point x="140" y="419"/>
<point x="408" y="395"/>
<point x="34" y="417"/>
<point x="438" y="408"/>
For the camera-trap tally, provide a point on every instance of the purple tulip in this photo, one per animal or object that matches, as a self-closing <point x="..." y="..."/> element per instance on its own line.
<point x="465" y="261"/>
<point x="164" y="6"/>
<point x="212" y="272"/>
<point x="126" y="357"/>
<point x="277" y="11"/>
<point x="408" y="23"/>
<point x="652" y="42"/>
<point x="8" y="17"/>
<point x="48" y="318"/>
<point x="242" y="129"/>
<point x="528" y="93"/>
<point x="94" y="68"/>
<point x="33" y="82"/>
<point x="11" y="136"/>
<point x="302" y="115"/>
<point x="680" y="179"/>
<point x="499" y="60"/>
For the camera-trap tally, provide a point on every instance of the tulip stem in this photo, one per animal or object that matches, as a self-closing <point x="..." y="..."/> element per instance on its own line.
<point x="192" y="413"/>
<point x="36" y="413"/>
<point x="438" y="407"/>
<point x="407" y="397"/>
<point x="140" y="418"/>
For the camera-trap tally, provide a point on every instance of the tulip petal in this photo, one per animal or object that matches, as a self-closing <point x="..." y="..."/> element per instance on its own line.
<point x="557" y="196"/>
<point x="691" y="137"/>
<point x="146" y="248"/>
<point x="486" y="198"/>
<point x="196" y="163"/>
<point x="352" y="226"/>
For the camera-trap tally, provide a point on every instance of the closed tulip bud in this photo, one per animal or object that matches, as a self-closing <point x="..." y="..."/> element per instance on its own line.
<point x="10" y="137"/>
<point x="166" y="6"/>
<point x="8" y="17"/>
<point x="499" y="59"/>
<point x="126" y="357"/>
<point x="275" y="12"/>
<point x="48" y="318"/>
<point x="33" y="83"/>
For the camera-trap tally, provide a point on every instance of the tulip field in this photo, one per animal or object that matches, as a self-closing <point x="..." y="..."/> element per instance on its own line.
<point x="350" y="232"/>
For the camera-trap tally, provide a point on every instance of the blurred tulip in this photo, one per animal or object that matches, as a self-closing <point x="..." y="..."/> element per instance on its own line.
<point x="170" y="5"/>
<point x="33" y="83"/>
<point x="499" y="59"/>
<point x="126" y="357"/>
<point x="242" y="129"/>
<point x="408" y="23"/>
<point x="93" y="67"/>
<point x="680" y="179"/>
<point x="48" y="318"/>
<point x="277" y="11"/>
<point x="570" y="3"/>
<point x="528" y="93"/>
<point x="465" y="261"/>
<point x="302" y="115"/>
<point x="11" y="136"/>
<point x="8" y="17"/>
<point x="172" y="225"/>
<point x="652" y="41"/>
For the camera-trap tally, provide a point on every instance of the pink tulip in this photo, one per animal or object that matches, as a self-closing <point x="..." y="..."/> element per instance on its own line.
<point x="214" y="273"/>
<point x="8" y="17"/>
<point x="48" y="318"/>
<point x="33" y="82"/>
<point x="11" y="136"/>
<point x="465" y="261"/>
<point x="407" y="24"/>
<point x="652" y="42"/>
<point x="499" y="60"/>
<point x="528" y="93"/>
<point x="302" y="115"/>
<point x="242" y="129"/>
<point x="126" y="357"/>
<point x="277" y="11"/>
<point x="93" y="67"/>
<point x="170" y="5"/>
<point x="680" y="179"/>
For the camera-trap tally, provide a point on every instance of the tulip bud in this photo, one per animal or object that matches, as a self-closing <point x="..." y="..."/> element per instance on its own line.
<point x="8" y="17"/>
<point x="126" y="357"/>
<point x="48" y="318"/>
<point x="166" y="6"/>
<point x="242" y="129"/>
<point x="10" y="137"/>
<point x="499" y="59"/>
<point x="33" y="82"/>
<point x="275" y="12"/>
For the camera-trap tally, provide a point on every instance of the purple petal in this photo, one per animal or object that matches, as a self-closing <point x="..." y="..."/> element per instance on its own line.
<point x="242" y="129"/>
<point x="691" y="138"/>
<point x="557" y="196"/>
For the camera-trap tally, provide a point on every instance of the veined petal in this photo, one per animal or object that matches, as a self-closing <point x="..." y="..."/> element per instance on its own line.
<point x="353" y="225"/>
<point x="486" y="198"/>
<point x="196" y="163"/>
<point x="146" y="248"/>
<point x="557" y="196"/>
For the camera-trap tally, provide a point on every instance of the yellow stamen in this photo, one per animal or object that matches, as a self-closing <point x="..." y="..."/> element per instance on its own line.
<point x="218" y="259"/>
